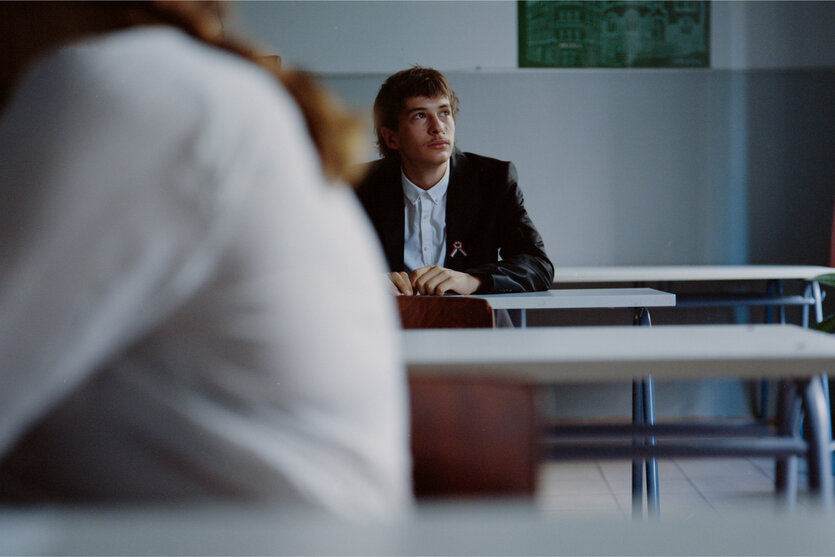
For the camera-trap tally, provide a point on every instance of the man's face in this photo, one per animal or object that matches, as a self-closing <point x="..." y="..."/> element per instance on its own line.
<point x="425" y="132"/>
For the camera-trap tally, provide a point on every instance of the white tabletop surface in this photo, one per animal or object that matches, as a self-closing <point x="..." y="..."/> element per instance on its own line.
<point x="453" y="528"/>
<point x="577" y="354"/>
<point x="652" y="273"/>
<point x="579" y="298"/>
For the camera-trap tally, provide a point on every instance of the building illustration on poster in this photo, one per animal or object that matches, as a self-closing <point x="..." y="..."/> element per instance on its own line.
<point x="599" y="34"/>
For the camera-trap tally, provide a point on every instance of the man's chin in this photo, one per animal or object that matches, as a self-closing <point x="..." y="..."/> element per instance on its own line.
<point x="441" y="156"/>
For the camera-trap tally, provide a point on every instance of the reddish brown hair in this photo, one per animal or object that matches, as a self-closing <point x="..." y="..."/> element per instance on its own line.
<point x="336" y="132"/>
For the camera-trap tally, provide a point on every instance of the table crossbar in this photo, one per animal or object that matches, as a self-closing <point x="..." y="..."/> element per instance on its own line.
<point x="770" y="447"/>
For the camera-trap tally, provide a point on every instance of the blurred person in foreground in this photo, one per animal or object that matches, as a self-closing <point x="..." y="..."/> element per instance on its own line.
<point x="190" y="311"/>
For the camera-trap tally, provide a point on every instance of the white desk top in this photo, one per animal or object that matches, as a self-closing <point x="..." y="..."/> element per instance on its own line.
<point x="454" y="528"/>
<point x="570" y="298"/>
<point x="650" y="273"/>
<point x="579" y="354"/>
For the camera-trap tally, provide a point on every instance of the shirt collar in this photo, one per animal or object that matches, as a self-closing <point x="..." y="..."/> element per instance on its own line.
<point x="436" y="192"/>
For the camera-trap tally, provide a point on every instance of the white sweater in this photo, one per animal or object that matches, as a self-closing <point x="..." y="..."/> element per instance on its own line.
<point x="187" y="311"/>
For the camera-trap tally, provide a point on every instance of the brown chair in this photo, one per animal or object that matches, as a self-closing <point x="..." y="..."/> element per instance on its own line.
<point x="470" y="437"/>
<point x="444" y="312"/>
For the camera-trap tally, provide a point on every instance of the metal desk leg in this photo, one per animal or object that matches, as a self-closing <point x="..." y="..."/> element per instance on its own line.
<point x="816" y="294"/>
<point x="813" y="290"/>
<point x="646" y="414"/>
<point x="637" y="464"/>
<point x="804" y="315"/>
<point x="775" y="287"/>
<point x="652" y="463"/>
<point x="788" y="418"/>
<point x="820" y="434"/>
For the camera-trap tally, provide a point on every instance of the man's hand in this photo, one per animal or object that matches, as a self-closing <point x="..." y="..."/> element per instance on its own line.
<point x="436" y="281"/>
<point x="400" y="284"/>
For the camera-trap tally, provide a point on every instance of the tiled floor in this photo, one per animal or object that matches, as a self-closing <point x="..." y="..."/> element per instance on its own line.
<point x="687" y="488"/>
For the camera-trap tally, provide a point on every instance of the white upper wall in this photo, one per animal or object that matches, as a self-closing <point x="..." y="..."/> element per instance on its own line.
<point x="618" y="166"/>
<point x="384" y="36"/>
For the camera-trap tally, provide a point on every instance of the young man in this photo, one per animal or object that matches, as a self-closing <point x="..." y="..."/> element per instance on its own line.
<point x="448" y="221"/>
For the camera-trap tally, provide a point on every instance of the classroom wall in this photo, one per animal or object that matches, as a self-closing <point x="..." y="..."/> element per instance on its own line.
<point x="658" y="167"/>
<point x="732" y="164"/>
<point x="726" y="165"/>
<point x="361" y="37"/>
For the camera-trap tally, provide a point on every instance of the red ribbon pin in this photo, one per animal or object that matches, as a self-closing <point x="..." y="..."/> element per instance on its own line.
<point x="457" y="247"/>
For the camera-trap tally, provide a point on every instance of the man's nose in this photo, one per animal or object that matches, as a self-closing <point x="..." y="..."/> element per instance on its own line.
<point x="435" y="124"/>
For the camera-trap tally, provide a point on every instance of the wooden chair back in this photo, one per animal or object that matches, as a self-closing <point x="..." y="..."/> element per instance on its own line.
<point x="444" y="312"/>
<point x="470" y="437"/>
<point x="473" y="437"/>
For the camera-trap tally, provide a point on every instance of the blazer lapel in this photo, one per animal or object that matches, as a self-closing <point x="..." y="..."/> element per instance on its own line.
<point x="461" y="210"/>
<point x="392" y="227"/>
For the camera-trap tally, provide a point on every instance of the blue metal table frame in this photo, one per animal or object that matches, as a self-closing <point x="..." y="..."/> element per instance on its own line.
<point x="643" y="391"/>
<point x="773" y="299"/>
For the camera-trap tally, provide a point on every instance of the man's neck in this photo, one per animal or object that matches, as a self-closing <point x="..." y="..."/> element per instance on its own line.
<point x="425" y="177"/>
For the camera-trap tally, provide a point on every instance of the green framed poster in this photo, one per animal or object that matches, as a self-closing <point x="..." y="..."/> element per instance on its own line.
<point x="598" y="34"/>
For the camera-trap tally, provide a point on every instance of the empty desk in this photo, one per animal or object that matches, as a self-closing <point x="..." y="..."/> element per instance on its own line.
<point x="553" y="355"/>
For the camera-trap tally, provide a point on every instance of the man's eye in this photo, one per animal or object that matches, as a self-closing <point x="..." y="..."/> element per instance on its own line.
<point x="419" y="115"/>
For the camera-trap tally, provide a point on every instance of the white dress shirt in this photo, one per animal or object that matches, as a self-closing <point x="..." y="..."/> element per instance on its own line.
<point x="168" y="312"/>
<point x="425" y="223"/>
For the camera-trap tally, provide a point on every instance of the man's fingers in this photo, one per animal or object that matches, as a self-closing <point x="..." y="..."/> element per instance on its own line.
<point x="437" y="281"/>
<point x="441" y="287"/>
<point x="422" y="276"/>
<point x="434" y="280"/>
<point x="401" y="283"/>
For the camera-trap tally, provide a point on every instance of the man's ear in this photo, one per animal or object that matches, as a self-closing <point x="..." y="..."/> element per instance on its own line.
<point x="390" y="137"/>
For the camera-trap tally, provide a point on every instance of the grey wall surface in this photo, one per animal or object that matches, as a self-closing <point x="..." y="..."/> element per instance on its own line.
<point x="732" y="164"/>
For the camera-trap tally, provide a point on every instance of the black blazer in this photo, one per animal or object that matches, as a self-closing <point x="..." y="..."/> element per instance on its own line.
<point x="485" y="221"/>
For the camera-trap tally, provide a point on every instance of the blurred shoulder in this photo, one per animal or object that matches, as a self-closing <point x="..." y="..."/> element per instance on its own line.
<point x="164" y="67"/>
<point x="163" y="112"/>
